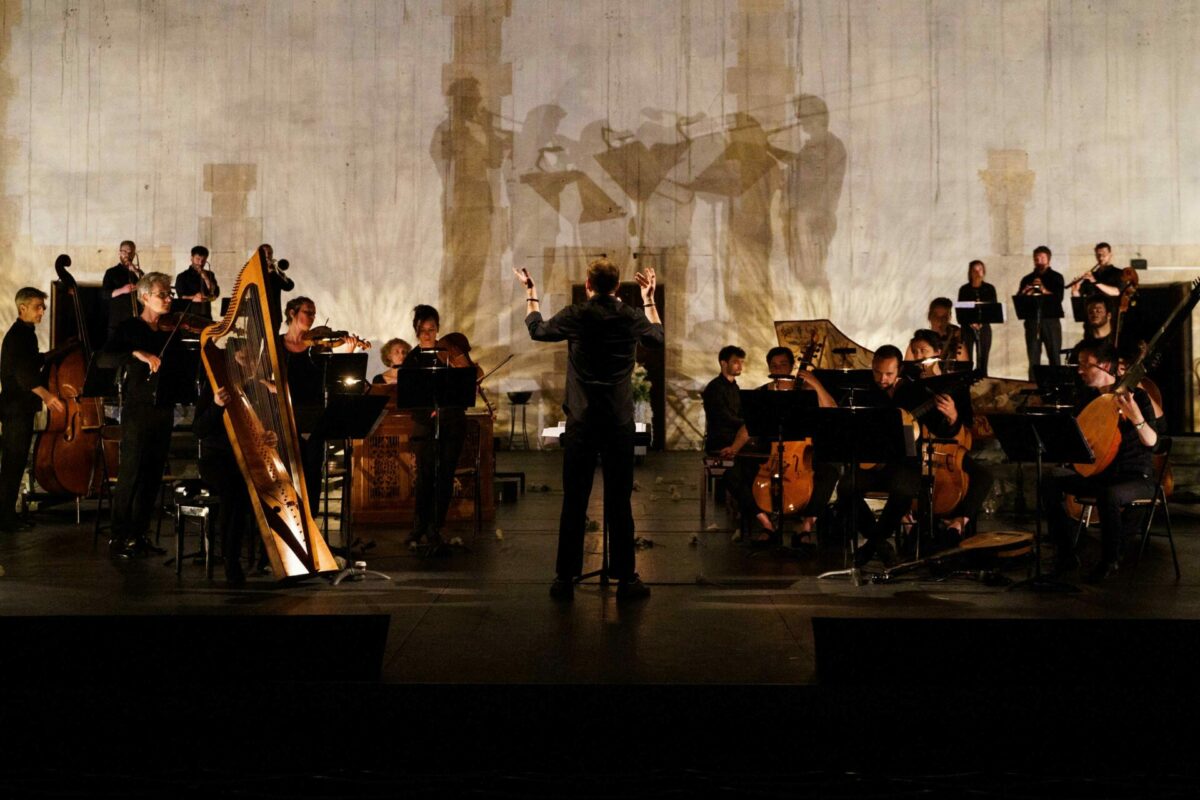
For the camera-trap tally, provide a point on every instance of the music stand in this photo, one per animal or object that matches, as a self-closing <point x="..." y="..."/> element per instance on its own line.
<point x="436" y="387"/>
<point x="349" y="417"/>
<point x="781" y="417"/>
<point x="1033" y="306"/>
<point x="1058" y="386"/>
<point x="854" y="435"/>
<point x="843" y="383"/>
<point x="1037" y="436"/>
<point x="341" y="373"/>
<point x="1079" y="308"/>
<point x="968" y="312"/>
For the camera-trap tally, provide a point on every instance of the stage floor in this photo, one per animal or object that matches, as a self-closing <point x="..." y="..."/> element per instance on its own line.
<point x="720" y="613"/>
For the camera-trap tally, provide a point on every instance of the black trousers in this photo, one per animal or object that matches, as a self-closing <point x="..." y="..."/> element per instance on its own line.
<point x="901" y="482"/>
<point x="979" y="355"/>
<point x="312" y="461"/>
<point x="739" y="481"/>
<point x="14" y="456"/>
<point x="581" y="447"/>
<point x="435" y="478"/>
<point x="145" y="445"/>
<point x="219" y="470"/>
<point x="1051" y="342"/>
<point x="1113" y="489"/>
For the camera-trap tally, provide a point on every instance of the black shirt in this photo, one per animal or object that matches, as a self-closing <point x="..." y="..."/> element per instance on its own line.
<point x="20" y="370"/>
<point x="1108" y="276"/>
<point x="1053" y="283"/>
<point x="119" y="308"/>
<point x="722" y="413"/>
<point x="983" y="293"/>
<point x="175" y="377"/>
<point x="190" y="282"/>
<point x="602" y="335"/>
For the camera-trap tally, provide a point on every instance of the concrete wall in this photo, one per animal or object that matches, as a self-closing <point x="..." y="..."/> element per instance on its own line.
<point x="412" y="152"/>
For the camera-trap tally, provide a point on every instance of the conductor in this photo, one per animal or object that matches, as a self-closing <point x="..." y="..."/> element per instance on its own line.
<point x="602" y="335"/>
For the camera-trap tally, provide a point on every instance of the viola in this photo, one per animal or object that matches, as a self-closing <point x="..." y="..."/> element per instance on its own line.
<point x="183" y="322"/>
<point x="323" y="337"/>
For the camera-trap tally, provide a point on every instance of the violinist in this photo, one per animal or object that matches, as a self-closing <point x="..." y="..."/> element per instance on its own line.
<point x="602" y="336"/>
<point x="306" y="382"/>
<point x="1129" y="477"/>
<point x="751" y="454"/>
<point x="120" y="286"/>
<point x="198" y="284"/>
<point x="1043" y="281"/>
<point x="393" y="353"/>
<point x="1103" y="279"/>
<point x="156" y="376"/>
<point x="436" y="458"/>
<point x="21" y="397"/>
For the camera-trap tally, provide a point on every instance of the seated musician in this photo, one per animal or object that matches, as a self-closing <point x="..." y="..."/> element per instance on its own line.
<point x="722" y="401"/>
<point x="901" y="480"/>
<point x="21" y="396"/>
<point x="196" y="287"/>
<point x="393" y="354"/>
<point x="750" y="454"/>
<point x="306" y="384"/>
<point x="926" y="346"/>
<point x="940" y="309"/>
<point x="437" y="458"/>
<point x="157" y="373"/>
<point x="1129" y="477"/>
<point x="1098" y="329"/>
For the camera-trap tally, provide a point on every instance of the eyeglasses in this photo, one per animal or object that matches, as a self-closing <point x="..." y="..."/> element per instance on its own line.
<point x="162" y="295"/>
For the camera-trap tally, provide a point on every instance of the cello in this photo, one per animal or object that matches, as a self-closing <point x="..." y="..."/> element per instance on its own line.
<point x="789" y="470"/>
<point x="65" y="453"/>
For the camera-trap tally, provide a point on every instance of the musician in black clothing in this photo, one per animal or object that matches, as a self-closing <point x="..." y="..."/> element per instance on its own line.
<point x="902" y="479"/>
<point x="602" y="335"/>
<point x="977" y="337"/>
<point x="1043" y="281"/>
<point x="157" y="374"/>
<point x="1103" y="280"/>
<point x="306" y="386"/>
<point x="21" y="397"/>
<point x="1129" y="477"/>
<point x="1098" y="329"/>
<point x="750" y="454"/>
<point x="722" y="401"/>
<point x="120" y="286"/>
<point x="277" y="284"/>
<point x="196" y="287"/>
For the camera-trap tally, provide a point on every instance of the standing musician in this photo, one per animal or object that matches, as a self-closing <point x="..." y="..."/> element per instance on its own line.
<point x="306" y="385"/>
<point x="1103" y="279"/>
<point x="977" y="337"/>
<point x="1098" y="329"/>
<point x="120" y="286"/>
<point x="436" y="458"/>
<point x="277" y="284"/>
<point x="901" y="480"/>
<point x="1129" y="477"/>
<point x="602" y="335"/>
<point x="926" y="347"/>
<point x="1043" y="281"/>
<point x="198" y="284"/>
<point x="155" y="377"/>
<point x="393" y="353"/>
<point x="21" y="397"/>
<point x="781" y="363"/>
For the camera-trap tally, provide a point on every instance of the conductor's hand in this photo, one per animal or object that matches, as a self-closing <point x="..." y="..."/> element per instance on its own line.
<point x="524" y="277"/>
<point x="647" y="281"/>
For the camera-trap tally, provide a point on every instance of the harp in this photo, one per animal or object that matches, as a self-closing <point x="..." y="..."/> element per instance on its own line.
<point x="241" y="355"/>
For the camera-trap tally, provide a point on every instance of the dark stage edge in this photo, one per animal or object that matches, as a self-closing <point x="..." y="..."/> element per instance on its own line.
<point x="717" y="681"/>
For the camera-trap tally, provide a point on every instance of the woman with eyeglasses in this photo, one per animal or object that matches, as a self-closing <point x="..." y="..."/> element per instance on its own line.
<point x="155" y="374"/>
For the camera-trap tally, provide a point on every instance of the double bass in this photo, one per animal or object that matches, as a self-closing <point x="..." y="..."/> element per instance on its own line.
<point x="66" y="451"/>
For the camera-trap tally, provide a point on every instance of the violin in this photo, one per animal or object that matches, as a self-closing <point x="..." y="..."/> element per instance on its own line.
<point x="184" y="322"/>
<point x="323" y="337"/>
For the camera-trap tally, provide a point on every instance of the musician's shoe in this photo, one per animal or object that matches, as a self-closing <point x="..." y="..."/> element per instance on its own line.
<point x="563" y="590"/>
<point x="632" y="589"/>
<point x="1102" y="571"/>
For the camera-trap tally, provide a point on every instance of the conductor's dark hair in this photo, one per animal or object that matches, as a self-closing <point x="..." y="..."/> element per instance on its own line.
<point x="424" y="313"/>
<point x="604" y="276"/>
<point x="781" y="351"/>
<point x="730" y="351"/>
<point x="886" y="352"/>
